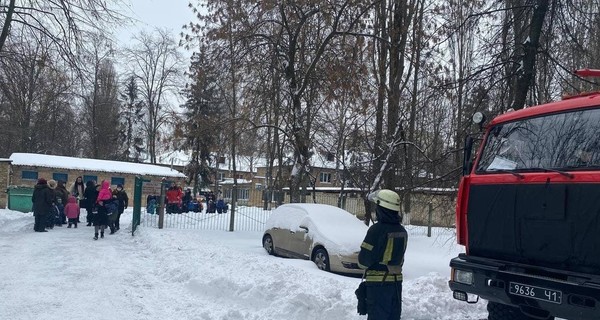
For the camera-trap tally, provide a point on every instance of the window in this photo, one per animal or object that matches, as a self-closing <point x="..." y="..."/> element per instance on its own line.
<point x="325" y="177"/>
<point x="117" y="180"/>
<point x="60" y="176"/>
<point x="563" y="141"/>
<point x="240" y="176"/>
<point x="29" y="175"/>
<point x="88" y="178"/>
<point x="258" y="186"/>
<point x="243" y="194"/>
<point x="220" y="176"/>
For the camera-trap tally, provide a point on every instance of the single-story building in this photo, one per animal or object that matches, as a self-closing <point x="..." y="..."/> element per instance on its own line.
<point x="24" y="169"/>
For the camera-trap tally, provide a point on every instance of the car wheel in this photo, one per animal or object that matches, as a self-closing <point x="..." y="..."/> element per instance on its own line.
<point x="321" y="259"/>
<point x="268" y="244"/>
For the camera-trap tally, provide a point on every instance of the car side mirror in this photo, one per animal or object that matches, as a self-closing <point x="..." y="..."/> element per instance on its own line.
<point x="305" y="228"/>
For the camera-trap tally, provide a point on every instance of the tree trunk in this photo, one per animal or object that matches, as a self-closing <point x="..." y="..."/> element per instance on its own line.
<point x="526" y="74"/>
<point x="7" y="23"/>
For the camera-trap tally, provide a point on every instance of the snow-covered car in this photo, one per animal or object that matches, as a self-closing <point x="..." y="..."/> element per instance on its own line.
<point x="327" y="235"/>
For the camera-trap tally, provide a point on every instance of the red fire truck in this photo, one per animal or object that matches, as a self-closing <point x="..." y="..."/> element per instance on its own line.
<point x="528" y="213"/>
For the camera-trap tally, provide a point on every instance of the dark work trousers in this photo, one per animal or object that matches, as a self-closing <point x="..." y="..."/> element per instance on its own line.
<point x="384" y="302"/>
<point x="40" y="222"/>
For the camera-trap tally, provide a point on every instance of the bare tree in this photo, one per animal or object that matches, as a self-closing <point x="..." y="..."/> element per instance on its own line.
<point x="156" y="64"/>
<point x="63" y="22"/>
<point x="36" y="97"/>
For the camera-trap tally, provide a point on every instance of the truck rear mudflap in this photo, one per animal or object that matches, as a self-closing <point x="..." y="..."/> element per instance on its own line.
<point x="536" y="291"/>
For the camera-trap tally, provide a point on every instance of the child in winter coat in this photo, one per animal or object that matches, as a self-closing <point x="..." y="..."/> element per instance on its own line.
<point x="72" y="211"/>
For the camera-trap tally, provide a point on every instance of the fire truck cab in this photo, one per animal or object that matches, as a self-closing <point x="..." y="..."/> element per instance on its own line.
<point x="528" y="214"/>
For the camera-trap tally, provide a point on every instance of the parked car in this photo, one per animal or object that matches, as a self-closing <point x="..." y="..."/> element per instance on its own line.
<point x="327" y="235"/>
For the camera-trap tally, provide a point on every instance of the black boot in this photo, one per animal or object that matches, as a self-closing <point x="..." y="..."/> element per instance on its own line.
<point x="70" y="226"/>
<point x="95" y="236"/>
<point x="101" y="234"/>
<point x="89" y="224"/>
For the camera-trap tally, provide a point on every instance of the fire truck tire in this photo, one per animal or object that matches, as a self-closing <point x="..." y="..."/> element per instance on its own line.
<point x="498" y="311"/>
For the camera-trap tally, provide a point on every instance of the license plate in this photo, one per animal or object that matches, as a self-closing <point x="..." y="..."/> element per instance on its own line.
<point x="534" y="292"/>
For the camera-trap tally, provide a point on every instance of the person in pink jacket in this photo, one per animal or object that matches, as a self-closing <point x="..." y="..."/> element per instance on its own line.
<point x="72" y="211"/>
<point x="101" y="218"/>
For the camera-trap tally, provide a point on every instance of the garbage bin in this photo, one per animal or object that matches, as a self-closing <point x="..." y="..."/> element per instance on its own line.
<point x="19" y="198"/>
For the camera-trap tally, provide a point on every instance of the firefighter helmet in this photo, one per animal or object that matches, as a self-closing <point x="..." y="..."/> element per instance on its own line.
<point x="386" y="198"/>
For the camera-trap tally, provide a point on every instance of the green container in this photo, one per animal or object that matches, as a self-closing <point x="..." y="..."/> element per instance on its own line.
<point x="19" y="198"/>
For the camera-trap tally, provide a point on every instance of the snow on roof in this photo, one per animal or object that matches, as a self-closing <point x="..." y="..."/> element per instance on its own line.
<point x="72" y="163"/>
<point x="246" y="163"/>
<point x="239" y="181"/>
<point x="177" y="158"/>
<point x="243" y="163"/>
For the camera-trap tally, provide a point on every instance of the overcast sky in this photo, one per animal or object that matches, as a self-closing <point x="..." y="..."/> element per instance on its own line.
<point x="150" y="14"/>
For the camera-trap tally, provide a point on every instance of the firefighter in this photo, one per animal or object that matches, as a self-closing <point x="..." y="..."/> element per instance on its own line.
<point x="382" y="255"/>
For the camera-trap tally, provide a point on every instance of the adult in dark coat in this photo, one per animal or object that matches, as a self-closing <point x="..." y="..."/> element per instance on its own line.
<point x="62" y="192"/>
<point x="90" y="195"/>
<point x="42" y="203"/>
<point x="122" y="201"/>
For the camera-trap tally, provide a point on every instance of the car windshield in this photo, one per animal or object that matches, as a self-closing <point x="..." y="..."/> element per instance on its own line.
<point x="564" y="141"/>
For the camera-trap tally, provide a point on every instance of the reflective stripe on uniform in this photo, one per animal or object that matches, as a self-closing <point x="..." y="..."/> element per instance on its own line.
<point x="382" y="278"/>
<point x="366" y="246"/>
<point x="389" y="248"/>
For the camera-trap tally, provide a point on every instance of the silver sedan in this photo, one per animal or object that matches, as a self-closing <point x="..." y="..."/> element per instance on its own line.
<point x="327" y="235"/>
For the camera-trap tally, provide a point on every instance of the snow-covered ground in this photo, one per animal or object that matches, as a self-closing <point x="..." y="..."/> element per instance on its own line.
<point x="196" y="274"/>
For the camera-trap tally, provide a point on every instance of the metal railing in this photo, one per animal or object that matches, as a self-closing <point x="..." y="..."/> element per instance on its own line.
<point x="249" y="213"/>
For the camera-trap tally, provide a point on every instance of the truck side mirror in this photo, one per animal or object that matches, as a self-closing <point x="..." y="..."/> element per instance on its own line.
<point x="479" y="119"/>
<point x="467" y="155"/>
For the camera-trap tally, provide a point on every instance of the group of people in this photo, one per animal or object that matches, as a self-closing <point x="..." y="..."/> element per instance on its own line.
<point x="178" y="201"/>
<point x="215" y="203"/>
<point x="53" y="204"/>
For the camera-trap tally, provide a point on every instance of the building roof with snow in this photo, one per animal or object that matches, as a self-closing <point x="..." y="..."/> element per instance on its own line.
<point x="85" y="164"/>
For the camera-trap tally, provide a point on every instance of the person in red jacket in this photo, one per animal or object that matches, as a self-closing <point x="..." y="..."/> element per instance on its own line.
<point x="174" y="196"/>
<point x="72" y="211"/>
